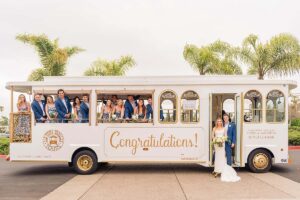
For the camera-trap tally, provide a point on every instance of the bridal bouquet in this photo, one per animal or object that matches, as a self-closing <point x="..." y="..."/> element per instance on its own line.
<point x="219" y="141"/>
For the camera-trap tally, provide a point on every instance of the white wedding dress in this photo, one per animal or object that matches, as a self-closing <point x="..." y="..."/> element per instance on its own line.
<point x="228" y="174"/>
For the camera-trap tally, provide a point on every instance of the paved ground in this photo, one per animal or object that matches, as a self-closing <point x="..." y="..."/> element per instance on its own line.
<point x="176" y="182"/>
<point x="143" y="181"/>
<point x="291" y="171"/>
<point x="26" y="181"/>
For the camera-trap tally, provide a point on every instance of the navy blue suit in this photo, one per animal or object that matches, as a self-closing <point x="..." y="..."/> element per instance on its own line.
<point x="84" y="110"/>
<point x="62" y="110"/>
<point x="37" y="110"/>
<point x="128" y="109"/>
<point x="231" y="136"/>
<point x="149" y="111"/>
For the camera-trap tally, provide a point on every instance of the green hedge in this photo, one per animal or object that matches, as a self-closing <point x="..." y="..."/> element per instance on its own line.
<point x="4" y="146"/>
<point x="295" y="122"/>
<point x="294" y="135"/>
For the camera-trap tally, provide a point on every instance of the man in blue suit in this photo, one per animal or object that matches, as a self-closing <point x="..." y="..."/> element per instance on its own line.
<point x="231" y="136"/>
<point x="129" y="106"/>
<point x="149" y="110"/>
<point x="63" y="107"/>
<point x="38" y="107"/>
<point x="85" y="108"/>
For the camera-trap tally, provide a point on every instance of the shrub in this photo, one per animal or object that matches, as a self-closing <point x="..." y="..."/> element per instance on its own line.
<point x="294" y="136"/>
<point x="295" y="122"/>
<point x="4" y="146"/>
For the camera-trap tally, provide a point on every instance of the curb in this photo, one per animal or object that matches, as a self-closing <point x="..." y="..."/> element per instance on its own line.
<point x="3" y="156"/>
<point x="294" y="147"/>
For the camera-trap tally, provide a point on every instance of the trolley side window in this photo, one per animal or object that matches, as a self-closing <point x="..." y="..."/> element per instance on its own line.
<point x="253" y="107"/>
<point x="73" y="108"/>
<point x="190" y="107"/>
<point x="275" y="108"/>
<point x="120" y="107"/>
<point x="168" y="107"/>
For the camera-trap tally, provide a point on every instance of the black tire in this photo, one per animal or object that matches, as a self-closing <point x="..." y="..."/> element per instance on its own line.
<point x="70" y="164"/>
<point x="85" y="162"/>
<point x="260" y="161"/>
<point x="103" y="163"/>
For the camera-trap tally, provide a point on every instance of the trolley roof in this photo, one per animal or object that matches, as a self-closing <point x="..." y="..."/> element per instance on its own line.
<point x="60" y="81"/>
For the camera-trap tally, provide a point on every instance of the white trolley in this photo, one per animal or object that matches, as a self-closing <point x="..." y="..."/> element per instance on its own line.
<point x="184" y="111"/>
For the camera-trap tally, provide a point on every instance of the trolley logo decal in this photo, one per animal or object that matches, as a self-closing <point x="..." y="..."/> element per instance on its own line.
<point x="53" y="140"/>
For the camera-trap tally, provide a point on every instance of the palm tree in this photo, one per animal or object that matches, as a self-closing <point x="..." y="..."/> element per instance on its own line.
<point x="216" y="58"/>
<point x="110" y="68"/>
<point x="279" y="56"/>
<point x="53" y="58"/>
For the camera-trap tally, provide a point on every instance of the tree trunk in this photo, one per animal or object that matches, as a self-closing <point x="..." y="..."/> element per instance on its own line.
<point x="260" y="76"/>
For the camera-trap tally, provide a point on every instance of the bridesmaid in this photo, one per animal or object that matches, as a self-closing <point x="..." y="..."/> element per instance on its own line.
<point x="140" y="110"/>
<point x="107" y="110"/>
<point x="22" y="128"/>
<point x="51" y="110"/>
<point x="76" y="107"/>
<point x="23" y="105"/>
<point x="119" y="109"/>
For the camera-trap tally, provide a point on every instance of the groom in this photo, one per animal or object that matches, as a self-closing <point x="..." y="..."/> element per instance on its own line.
<point x="231" y="137"/>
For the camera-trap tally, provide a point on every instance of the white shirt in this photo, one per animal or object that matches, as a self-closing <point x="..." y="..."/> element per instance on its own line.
<point x="226" y="126"/>
<point x="87" y="104"/>
<point x="133" y="104"/>
<point x="64" y="102"/>
<point x="42" y="107"/>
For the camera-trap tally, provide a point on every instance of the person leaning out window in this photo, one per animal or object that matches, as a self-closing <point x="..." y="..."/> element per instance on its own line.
<point x="149" y="110"/>
<point x="38" y="107"/>
<point x="119" y="109"/>
<point x="50" y="110"/>
<point x="140" y="110"/>
<point x="76" y="108"/>
<point x="63" y="107"/>
<point x="85" y="109"/>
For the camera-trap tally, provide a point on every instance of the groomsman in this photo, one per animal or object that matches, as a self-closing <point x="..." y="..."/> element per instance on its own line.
<point x="130" y="105"/>
<point x="231" y="136"/>
<point x="149" y="113"/>
<point x="38" y="107"/>
<point x="63" y="107"/>
<point x="85" y="108"/>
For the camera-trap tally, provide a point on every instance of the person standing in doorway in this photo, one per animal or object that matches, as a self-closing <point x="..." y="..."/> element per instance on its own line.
<point x="231" y="138"/>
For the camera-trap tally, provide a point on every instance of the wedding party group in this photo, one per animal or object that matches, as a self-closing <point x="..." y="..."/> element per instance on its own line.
<point x="58" y="111"/>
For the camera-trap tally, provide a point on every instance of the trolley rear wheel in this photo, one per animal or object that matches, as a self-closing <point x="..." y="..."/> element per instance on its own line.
<point x="85" y="162"/>
<point x="260" y="161"/>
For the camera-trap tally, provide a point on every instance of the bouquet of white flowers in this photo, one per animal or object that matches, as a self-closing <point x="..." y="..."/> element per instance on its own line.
<point x="219" y="141"/>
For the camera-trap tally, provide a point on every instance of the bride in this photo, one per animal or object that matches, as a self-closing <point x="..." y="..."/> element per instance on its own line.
<point x="227" y="173"/>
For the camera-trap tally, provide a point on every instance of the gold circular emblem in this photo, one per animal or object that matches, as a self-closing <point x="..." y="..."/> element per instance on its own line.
<point x="53" y="140"/>
<point x="260" y="161"/>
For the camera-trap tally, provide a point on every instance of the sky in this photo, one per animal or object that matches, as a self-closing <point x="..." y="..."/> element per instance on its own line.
<point x="154" y="32"/>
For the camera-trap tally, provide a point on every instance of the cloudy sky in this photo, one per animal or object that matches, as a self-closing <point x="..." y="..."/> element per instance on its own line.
<point x="152" y="31"/>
